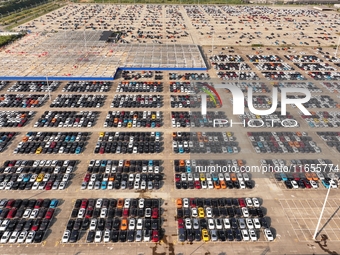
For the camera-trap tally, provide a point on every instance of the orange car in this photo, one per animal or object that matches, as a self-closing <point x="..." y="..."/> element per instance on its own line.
<point x="233" y="177"/>
<point x="111" y="178"/>
<point x="217" y="185"/>
<point x="297" y="145"/>
<point x="181" y="162"/>
<point x="174" y="134"/>
<point x="240" y="162"/>
<point x="124" y="224"/>
<point x="179" y="203"/>
<point x="309" y="176"/>
<point x="127" y="163"/>
<point x="25" y="139"/>
<point x="223" y="185"/>
<point x="315" y="177"/>
<point x="120" y="203"/>
<point x="298" y="134"/>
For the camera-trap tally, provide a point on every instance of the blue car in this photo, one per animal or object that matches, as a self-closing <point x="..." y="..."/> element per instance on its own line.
<point x="180" y="150"/>
<point x="78" y="150"/>
<point x="150" y="162"/>
<point x="260" y="144"/>
<point x="188" y="168"/>
<point x="104" y="185"/>
<point x="67" y="138"/>
<point x="103" y="162"/>
<point x="27" y="178"/>
<point x="283" y="177"/>
<point x="325" y="183"/>
<point x="230" y="150"/>
<point x="157" y="134"/>
<point x="54" y="203"/>
<point x="153" y="124"/>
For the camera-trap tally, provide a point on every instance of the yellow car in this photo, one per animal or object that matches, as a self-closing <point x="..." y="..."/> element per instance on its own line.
<point x="205" y="235"/>
<point x="229" y="134"/>
<point x="153" y="116"/>
<point x="39" y="150"/>
<point x="201" y="213"/>
<point x="101" y="134"/>
<point x="202" y="177"/>
<point x="40" y="178"/>
<point x="129" y="125"/>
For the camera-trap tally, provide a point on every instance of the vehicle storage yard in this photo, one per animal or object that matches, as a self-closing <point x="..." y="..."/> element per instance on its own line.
<point x="150" y="129"/>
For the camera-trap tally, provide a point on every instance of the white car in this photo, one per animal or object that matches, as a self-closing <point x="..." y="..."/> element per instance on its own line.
<point x="185" y="202"/>
<point x="99" y="203"/>
<point x="256" y="202"/>
<point x="5" y="237"/>
<point x="333" y="184"/>
<point x="208" y="212"/>
<point x="34" y="213"/>
<point x="242" y="185"/>
<point x="257" y="223"/>
<point x="249" y="202"/>
<point x="252" y="235"/>
<point x="30" y="237"/>
<point x="93" y="224"/>
<point x="107" y="236"/>
<point x="294" y="184"/>
<point x="211" y="224"/>
<point x="22" y="237"/>
<point x="103" y="213"/>
<point x="249" y="223"/>
<point x="194" y="212"/>
<point x="245" y="212"/>
<point x="187" y="223"/>
<point x="132" y="224"/>
<point x="27" y="213"/>
<point x="245" y="235"/>
<point x="226" y="223"/>
<point x="98" y="236"/>
<point x="141" y="203"/>
<point x="62" y="185"/>
<point x="268" y="234"/>
<point x="14" y="237"/>
<point x="81" y="213"/>
<point x="313" y="184"/>
<point x="139" y="224"/>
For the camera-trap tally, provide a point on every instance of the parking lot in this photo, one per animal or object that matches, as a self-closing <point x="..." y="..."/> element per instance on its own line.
<point x="26" y="221"/>
<point x="222" y="219"/>
<point x="114" y="220"/>
<point x="36" y="174"/>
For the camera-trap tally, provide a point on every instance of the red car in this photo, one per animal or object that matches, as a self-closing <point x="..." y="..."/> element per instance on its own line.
<point x="10" y="203"/>
<point x="87" y="178"/>
<point x="154" y="214"/>
<point x="126" y="212"/>
<point x="49" y="186"/>
<point x="38" y="204"/>
<point x="36" y="225"/>
<point x="83" y="203"/>
<point x="155" y="237"/>
<point x="307" y="184"/>
<point x="180" y="223"/>
<point x="198" y="185"/>
<point x="242" y="202"/>
<point x="11" y="213"/>
<point x="177" y="177"/>
<point x="89" y="213"/>
<point x="192" y="202"/>
<point x="101" y="151"/>
<point x="49" y="213"/>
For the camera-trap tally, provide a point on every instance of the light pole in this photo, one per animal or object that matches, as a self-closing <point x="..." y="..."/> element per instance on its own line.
<point x="322" y="210"/>
<point x="337" y="47"/>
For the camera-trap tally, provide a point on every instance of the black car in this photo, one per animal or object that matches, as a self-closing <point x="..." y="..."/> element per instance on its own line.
<point x="288" y="184"/>
<point x="203" y="223"/>
<point x="44" y="225"/>
<point x="77" y="224"/>
<point x="230" y="235"/>
<point x="90" y="236"/>
<point x="38" y="236"/>
<point x="85" y="225"/>
<point x="233" y="223"/>
<point x="190" y="235"/>
<point x="114" y="236"/>
<point x="237" y="235"/>
<point x="179" y="213"/>
<point x="70" y="224"/>
<point x="122" y="236"/>
<point x="130" y="235"/>
<point x="116" y="224"/>
<point x="260" y="212"/>
<point x="74" y="236"/>
<point x="264" y="222"/>
<point x="182" y="236"/>
<point x="74" y="213"/>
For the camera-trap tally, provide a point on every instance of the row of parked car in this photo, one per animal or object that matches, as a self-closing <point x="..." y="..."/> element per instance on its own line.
<point x="196" y="119"/>
<point x="271" y="120"/>
<point x="332" y="139"/>
<point x="15" y="118"/>
<point x="137" y="101"/>
<point x="298" y="84"/>
<point x="123" y="181"/>
<point x="133" y="86"/>
<point x="315" y="66"/>
<point x="129" y="142"/>
<point x="52" y="142"/>
<point x="5" y="138"/>
<point x="233" y="76"/>
<point x="34" y="86"/>
<point x="322" y="119"/>
<point x="124" y="166"/>
<point x="134" y="119"/>
<point x="226" y="58"/>
<point x="112" y="220"/>
<point x="180" y="87"/>
<point x="264" y="58"/>
<point x="87" y="86"/>
<point x="256" y="87"/>
<point x="282" y="142"/>
<point x="67" y="119"/>
<point x="303" y="58"/>
<point x="187" y="101"/>
<point x="38" y="174"/>
<point x="22" y="101"/>
<point x="189" y="76"/>
<point x="25" y="221"/>
<point x="231" y="66"/>
<point x="204" y="142"/>
<point x="213" y="180"/>
<point x="273" y="66"/>
<point x="331" y="86"/>
<point x="323" y="75"/>
<point x="283" y="75"/>
<point x="320" y="101"/>
<point x="206" y="219"/>
<point x="78" y="101"/>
